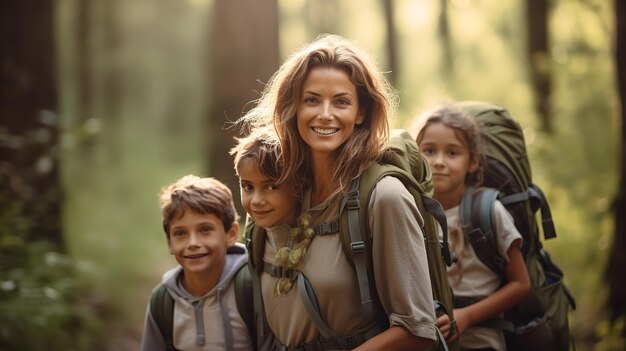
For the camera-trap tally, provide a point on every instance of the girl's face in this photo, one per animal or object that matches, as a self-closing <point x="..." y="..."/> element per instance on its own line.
<point x="268" y="203"/>
<point x="328" y="110"/>
<point x="449" y="159"/>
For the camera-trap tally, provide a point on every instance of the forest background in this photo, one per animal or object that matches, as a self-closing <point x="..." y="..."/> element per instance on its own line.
<point x="104" y="102"/>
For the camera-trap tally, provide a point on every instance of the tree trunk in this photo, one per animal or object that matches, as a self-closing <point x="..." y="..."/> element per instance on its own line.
<point x="446" y="40"/>
<point x="29" y="154"/>
<point x="321" y="16"/>
<point x="244" y="52"/>
<point x="539" y="59"/>
<point x="392" y="43"/>
<point x="617" y="259"/>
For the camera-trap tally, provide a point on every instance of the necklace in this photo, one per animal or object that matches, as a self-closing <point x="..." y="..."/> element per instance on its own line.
<point x="289" y="256"/>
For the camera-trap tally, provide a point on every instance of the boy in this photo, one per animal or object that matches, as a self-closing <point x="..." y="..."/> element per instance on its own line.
<point x="200" y="224"/>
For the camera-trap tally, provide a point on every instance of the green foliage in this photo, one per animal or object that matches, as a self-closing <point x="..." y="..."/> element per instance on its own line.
<point x="43" y="305"/>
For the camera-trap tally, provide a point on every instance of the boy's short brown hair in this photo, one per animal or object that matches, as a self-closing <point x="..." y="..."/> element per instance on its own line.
<point x="202" y="195"/>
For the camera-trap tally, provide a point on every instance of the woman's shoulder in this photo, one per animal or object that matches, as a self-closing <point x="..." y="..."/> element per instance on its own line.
<point x="390" y="189"/>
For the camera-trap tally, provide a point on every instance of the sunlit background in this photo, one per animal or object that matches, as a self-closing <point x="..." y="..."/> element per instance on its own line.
<point x="146" y="86"/>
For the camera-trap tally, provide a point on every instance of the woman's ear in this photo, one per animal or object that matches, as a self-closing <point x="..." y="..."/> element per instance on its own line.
<point x="360" y="117"/>
<point x="232" y="234"/>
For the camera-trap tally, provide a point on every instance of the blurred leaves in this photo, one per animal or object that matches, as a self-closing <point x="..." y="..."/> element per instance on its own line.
<point x="41" y="296"/>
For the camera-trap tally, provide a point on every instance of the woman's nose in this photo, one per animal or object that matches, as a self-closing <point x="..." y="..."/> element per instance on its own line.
<point x="325" y="110"/>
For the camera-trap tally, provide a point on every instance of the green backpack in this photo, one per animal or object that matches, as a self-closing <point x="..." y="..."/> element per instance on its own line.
<point x="402" y="160"/>
<point x="162" y="307"/>
<point x="540" y="322"/>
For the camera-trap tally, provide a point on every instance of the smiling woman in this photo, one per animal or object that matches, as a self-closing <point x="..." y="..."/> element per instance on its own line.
<point x="328" y="111"/>
<point x="329" y="107"/>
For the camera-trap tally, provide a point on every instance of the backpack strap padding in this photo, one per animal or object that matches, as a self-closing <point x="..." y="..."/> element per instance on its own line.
<point x="357" y="247"/>
<point x="436" y="210"/>
<point x="255" y="243"/>
<point x="486" y="202"/>
<point x="244" y="298"/>
<point x="162" y="310"/>
<point x="546" y="215"/>
<point x="476" y="211"/>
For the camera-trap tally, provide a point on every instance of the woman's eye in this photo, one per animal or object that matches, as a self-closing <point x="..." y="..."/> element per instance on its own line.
<point x="343" y="102"/>
<point x="310" y="99"/>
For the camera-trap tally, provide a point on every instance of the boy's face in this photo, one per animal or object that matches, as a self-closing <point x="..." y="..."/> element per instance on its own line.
<point x="268" y="203"/>
<point x="199" y="242"/>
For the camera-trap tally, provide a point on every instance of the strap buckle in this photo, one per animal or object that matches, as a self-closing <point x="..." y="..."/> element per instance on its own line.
<point x="357" y="246"/>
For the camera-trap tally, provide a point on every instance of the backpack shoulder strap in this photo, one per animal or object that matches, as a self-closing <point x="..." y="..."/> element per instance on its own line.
<point x="255" y="243"/>
<point x="476" y="215"/>
<point x="536" y="194"/>
<point x="162" y="310"/>
<point x="244" y="299"/>
<point x="356" y="246"/>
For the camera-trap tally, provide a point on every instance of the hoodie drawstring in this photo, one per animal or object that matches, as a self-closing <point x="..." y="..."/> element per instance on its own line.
<point x="198" y="311"/>
<point x="228" y="332"/>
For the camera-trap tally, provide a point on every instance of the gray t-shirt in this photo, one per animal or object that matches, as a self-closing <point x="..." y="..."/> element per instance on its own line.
<point x="400" y="271"/>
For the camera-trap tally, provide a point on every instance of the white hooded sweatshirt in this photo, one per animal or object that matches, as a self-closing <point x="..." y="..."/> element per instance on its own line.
<point x="202" y="323"/>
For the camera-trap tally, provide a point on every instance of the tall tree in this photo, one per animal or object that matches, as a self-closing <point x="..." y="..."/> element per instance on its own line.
<point x="30" y="195"/>
<point x="446" y="40"/>
<point x="539" y="59"/>
<point x="322" y="16"/>
<point x="392" y="42"/>
<point x="244" y="52"/>
<point x="617" y="260"/>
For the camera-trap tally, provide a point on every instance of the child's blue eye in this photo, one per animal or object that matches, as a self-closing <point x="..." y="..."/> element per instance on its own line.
<point x="205" y="229"/>
<point x="178" y="233"/>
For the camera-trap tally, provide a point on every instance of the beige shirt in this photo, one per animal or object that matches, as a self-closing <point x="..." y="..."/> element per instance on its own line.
<point x="400" y="270"/>
<point x="469" y="277"/>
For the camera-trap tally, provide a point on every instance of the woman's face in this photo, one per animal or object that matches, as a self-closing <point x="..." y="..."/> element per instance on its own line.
<point x="328" y="110"/>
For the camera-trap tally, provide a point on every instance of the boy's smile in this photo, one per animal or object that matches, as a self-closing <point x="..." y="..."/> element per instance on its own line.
<point x="199" y="242"/>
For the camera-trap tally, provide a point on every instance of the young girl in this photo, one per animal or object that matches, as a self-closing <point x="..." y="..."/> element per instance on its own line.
<point x="268" y="201"/>
<point x="330" y="107"/>
<point x="450" y="142"/>
<point x="271" y="205"/>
